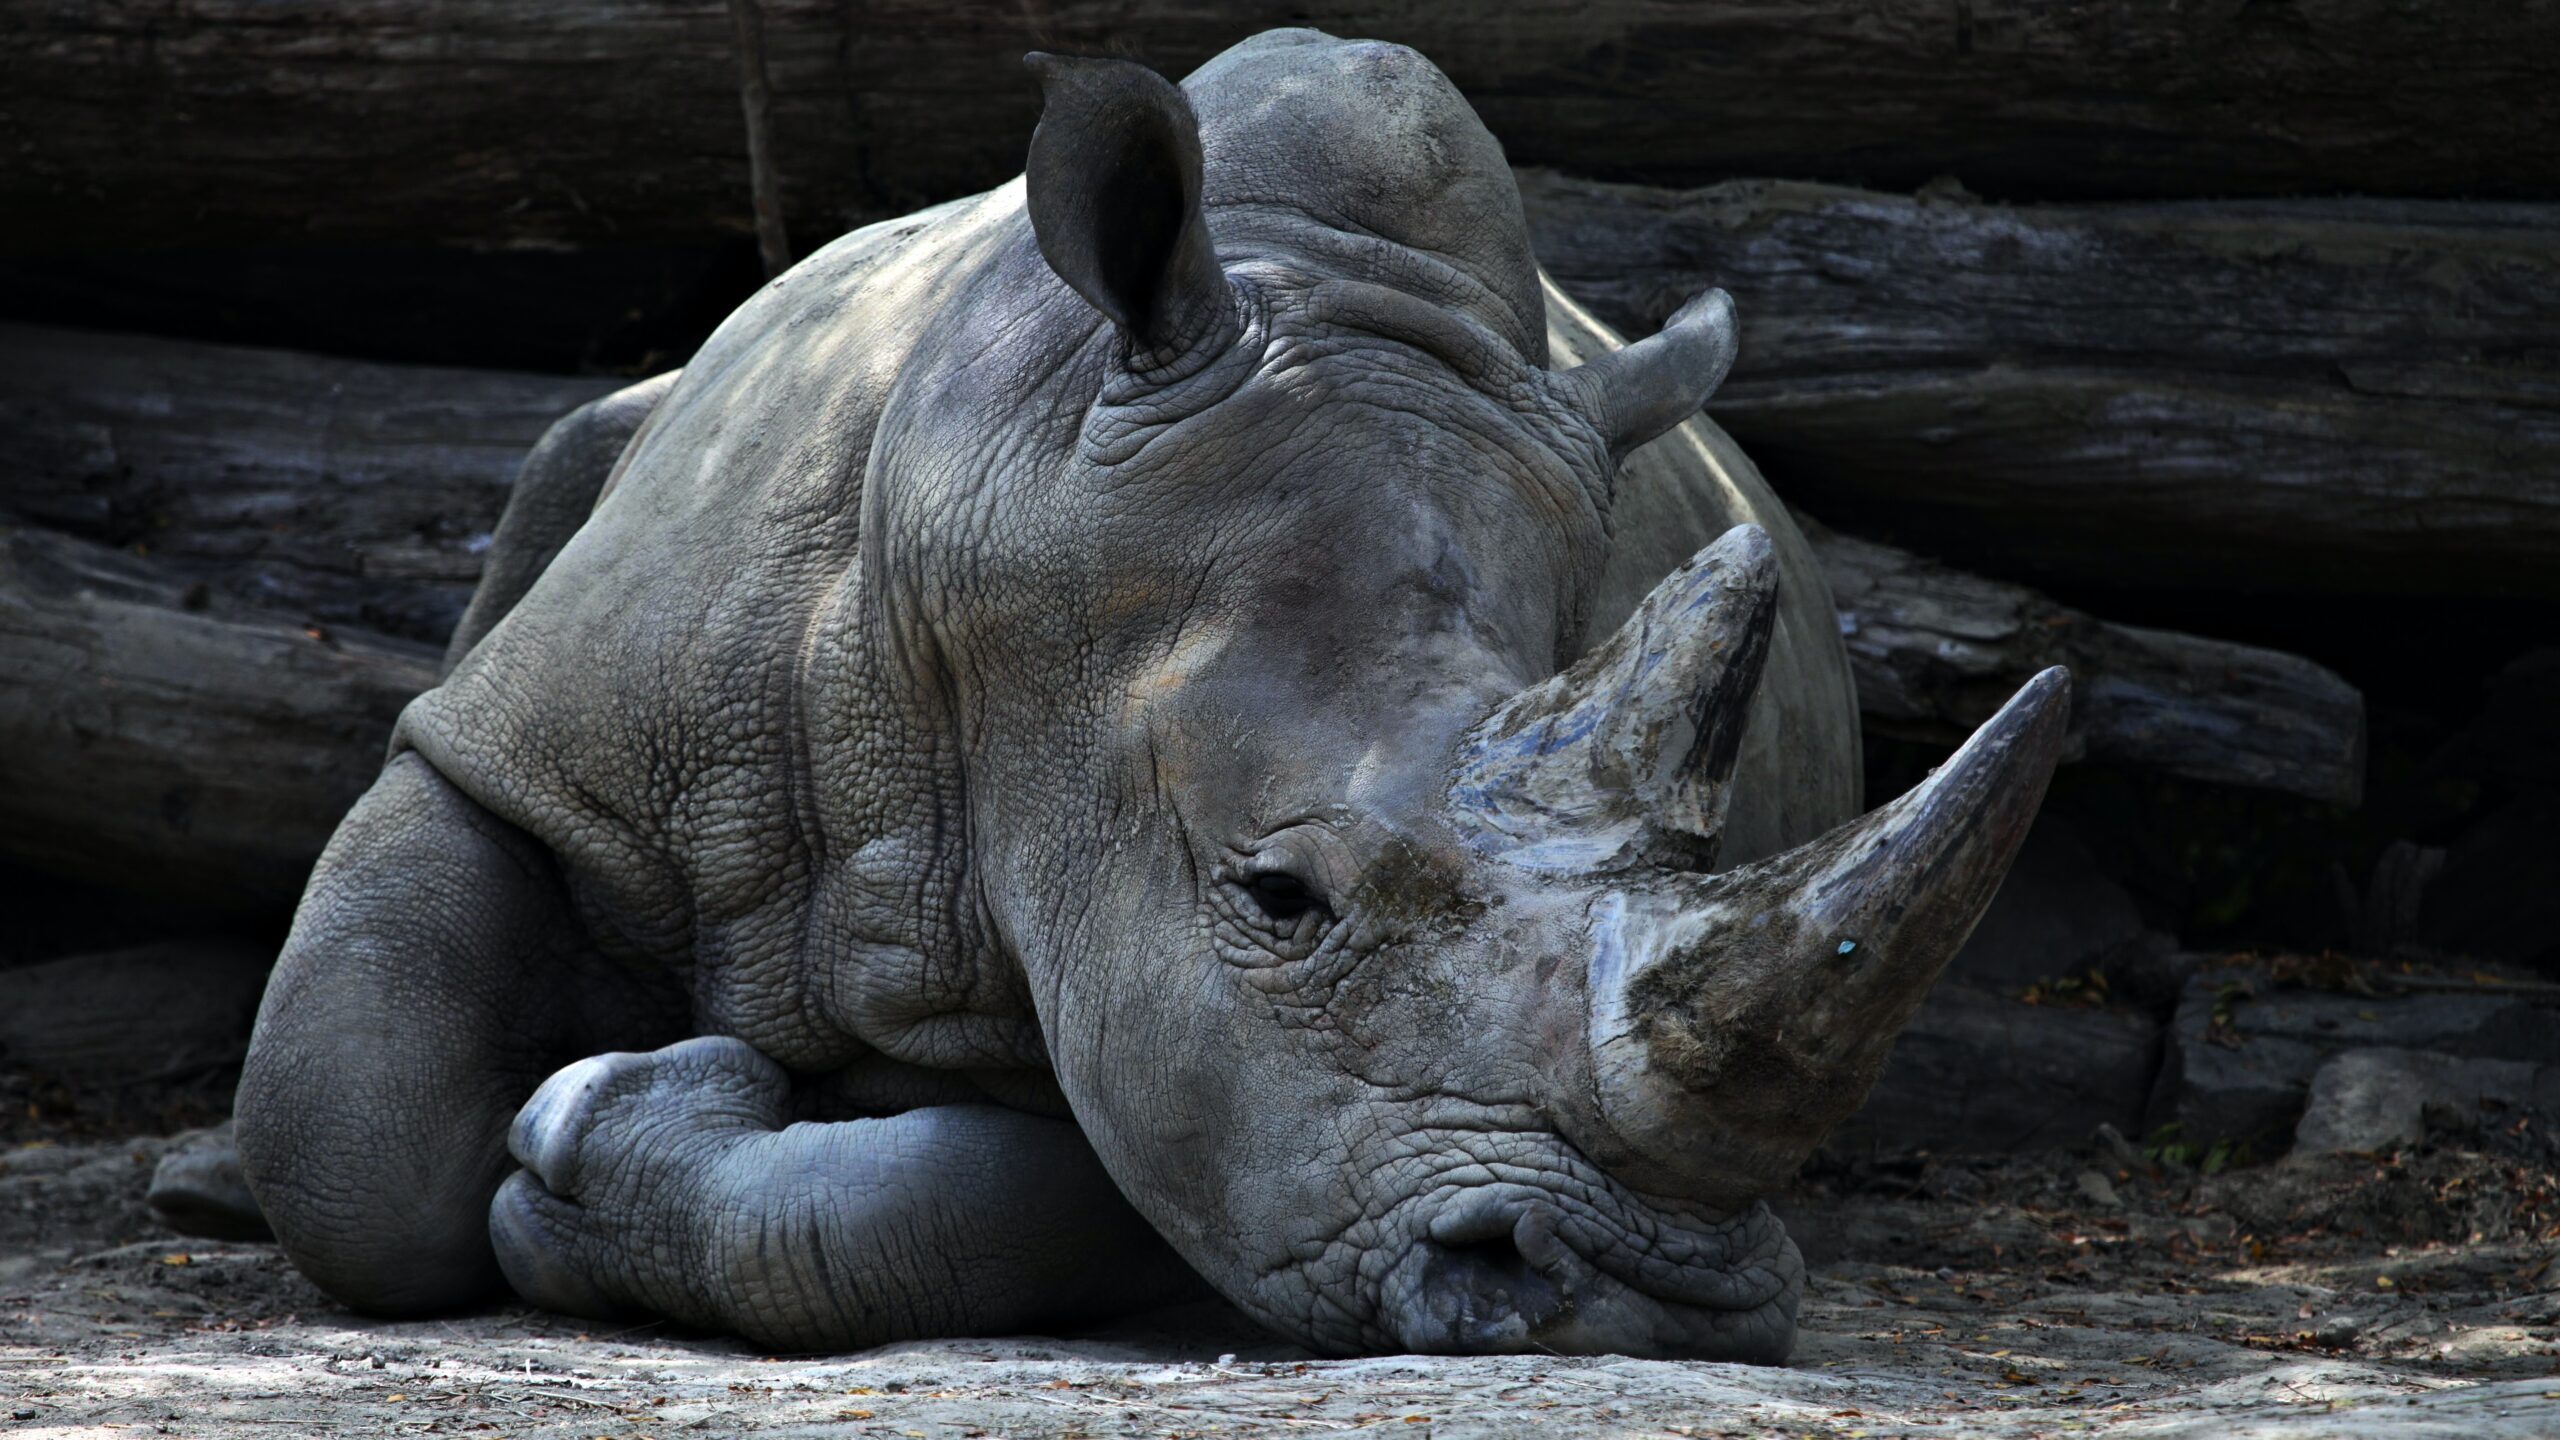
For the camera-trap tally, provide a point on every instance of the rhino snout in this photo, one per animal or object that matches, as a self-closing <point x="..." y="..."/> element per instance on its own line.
<point x="1488" y="1277"/>
<point x="1735" y="1015"/>
<point x="1507" y="1269"/>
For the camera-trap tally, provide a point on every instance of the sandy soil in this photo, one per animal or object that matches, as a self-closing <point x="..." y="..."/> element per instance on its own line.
<point x="2044" y="1296"/>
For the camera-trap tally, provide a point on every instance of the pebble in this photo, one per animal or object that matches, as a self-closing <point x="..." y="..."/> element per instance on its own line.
<point x="2099" y="1189"/>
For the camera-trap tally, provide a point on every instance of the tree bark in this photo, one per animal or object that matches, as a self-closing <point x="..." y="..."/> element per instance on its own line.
<point x="330" y="491"/>
<point x="2317" y="397"/>
<point x="151" y="123"/>
<point x="1937" y="651"/>
<point x="151" y="735"/>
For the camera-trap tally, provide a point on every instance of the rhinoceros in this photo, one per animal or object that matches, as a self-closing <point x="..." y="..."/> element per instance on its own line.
<point x="1186" y="719"/>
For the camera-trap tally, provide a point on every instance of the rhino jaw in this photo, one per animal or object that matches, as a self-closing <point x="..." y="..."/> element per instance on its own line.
<point x="1736" y="1018"/>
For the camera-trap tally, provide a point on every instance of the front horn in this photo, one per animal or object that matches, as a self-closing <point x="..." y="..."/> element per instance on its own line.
<point x="1736" y="1018"/>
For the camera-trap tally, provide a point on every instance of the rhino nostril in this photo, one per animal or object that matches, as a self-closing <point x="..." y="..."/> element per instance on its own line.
<point x="1486" y="1296"/>
<point x="1485" y="1285"/>
<point x="1496" y="1271"/>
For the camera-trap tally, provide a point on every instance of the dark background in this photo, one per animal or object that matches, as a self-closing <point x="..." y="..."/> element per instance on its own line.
<point x="2231" y="319"/>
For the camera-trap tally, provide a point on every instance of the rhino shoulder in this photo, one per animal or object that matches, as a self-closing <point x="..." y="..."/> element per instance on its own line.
<point x="642" y="710"/>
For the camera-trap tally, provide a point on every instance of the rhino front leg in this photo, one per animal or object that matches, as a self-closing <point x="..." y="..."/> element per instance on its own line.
<point x="433" y="977"/>
<point x="669" y="1183"/>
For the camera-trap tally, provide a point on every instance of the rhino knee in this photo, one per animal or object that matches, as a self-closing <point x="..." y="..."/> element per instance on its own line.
<point x="361" y="1201"/>
<point x="422" y="995"/>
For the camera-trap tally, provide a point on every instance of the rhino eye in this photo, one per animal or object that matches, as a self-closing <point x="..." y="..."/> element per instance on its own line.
<point x="1284" y="898"/>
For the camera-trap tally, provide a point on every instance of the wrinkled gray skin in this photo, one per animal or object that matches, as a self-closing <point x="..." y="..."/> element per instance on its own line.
<point x="1062" y="698"/>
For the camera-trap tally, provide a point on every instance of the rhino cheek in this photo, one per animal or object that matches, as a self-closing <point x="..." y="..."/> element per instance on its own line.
<point x="1197" y="1100"/>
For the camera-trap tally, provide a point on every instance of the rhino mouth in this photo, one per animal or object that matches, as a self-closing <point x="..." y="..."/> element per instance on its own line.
<point x="1506" y="1268"/>
<point x="1518" y="1244"/>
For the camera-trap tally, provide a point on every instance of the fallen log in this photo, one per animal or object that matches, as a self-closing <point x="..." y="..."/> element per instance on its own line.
<point x="344" y="494"/>
<point x="2305" y="396"/>
<point x="152" y="733"/>
<point x="378" y="509"/>
<point x="1937" y="651"/>
<point x="125" y="1016"/>
<point x="138" y="123"/>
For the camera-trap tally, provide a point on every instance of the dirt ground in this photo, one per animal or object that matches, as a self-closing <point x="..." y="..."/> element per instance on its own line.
<point x="2059" y="1295"/>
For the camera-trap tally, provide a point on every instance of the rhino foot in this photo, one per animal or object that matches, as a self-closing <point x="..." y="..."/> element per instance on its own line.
<point x="621" y="1157"/>
<point x="668" y="1183"/>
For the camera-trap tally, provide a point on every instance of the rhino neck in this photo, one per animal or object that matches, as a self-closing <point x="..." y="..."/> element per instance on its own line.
<point x="1363" y="152"/>
<point x="896" y="948"/>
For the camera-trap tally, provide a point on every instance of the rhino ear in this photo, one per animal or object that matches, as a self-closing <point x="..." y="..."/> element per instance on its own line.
<point x="1635" y="394"/>
<point x="1113" y="186"/>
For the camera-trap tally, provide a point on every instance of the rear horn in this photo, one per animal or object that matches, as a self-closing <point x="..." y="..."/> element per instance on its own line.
<point x="1628" y="756"/>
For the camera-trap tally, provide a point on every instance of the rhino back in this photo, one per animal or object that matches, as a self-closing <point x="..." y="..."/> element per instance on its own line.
<point x="1800" y="773"/>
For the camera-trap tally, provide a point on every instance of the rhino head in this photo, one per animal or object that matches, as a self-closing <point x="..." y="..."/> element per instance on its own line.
<point x="1384" y="955"/>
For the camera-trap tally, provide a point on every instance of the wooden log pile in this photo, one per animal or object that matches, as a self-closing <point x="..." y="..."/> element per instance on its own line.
<point x="145" y="123"/>
<point x="2308" y="396"/>
<point x="193" y="675"/>
<point x="2094" y="386"/>
<point x="1937" y="651"/>
<point x="151" y="739"/>
<point x="2260" y="307"/>
<point x="337" y="494"/>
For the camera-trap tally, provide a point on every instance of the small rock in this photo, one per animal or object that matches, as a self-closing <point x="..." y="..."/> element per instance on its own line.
<point x="2368" y="1101"/>
<point x="2363" y="1102"/>
<point x="197" y="1189"/>
<point x="2099" y="1189"/>
<point x="2126" y="1155"/>
<point x="1978" y="1072"/>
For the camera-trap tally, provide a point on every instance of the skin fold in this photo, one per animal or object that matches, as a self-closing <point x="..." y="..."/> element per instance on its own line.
<point x="947" y="818"/>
